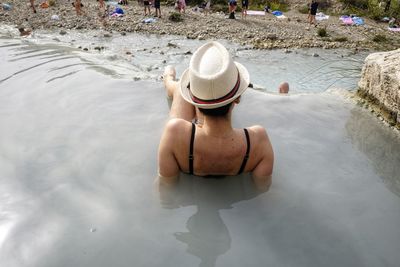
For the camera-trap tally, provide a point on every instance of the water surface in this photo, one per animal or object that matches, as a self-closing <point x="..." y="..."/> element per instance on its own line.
<point x="78" y="161"/>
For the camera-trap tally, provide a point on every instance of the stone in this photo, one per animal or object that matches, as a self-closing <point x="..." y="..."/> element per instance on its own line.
<point x="380" y="80"/>
<point x="272" y="36"/>
<point x="63" y="32"/>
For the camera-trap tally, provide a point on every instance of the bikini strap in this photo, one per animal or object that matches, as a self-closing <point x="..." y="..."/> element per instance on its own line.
<point x="191" y="148"/>
<point x="246" y="157"/>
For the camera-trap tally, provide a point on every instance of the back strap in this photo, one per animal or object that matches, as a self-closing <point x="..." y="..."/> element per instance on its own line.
<point x="246" y="157"/>
<point x="191" y="149"/>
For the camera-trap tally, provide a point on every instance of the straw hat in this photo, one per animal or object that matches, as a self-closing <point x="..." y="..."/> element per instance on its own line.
<point x="213" y="79"/>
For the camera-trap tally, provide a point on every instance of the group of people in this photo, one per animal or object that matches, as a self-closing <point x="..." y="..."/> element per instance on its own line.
<point x="232" y="6"/>
<point x="157" y="7"/>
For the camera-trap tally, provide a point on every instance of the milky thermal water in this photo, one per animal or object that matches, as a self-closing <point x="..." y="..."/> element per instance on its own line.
<point x="78" y="160"/>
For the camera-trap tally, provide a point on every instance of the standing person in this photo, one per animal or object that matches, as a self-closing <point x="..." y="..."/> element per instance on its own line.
<point x="78" y="7"/>
<point x="313" y="11"/>
<point x="157" y="6"/>
<point x="147" y="7"/>
<point x="212" y="84"/>
<point x="232" y="5"/>
<point x="101" y="2"/>
<point x="245" y="7"/>
<point x="33" y="5"/>
<point x="181" y="6"/>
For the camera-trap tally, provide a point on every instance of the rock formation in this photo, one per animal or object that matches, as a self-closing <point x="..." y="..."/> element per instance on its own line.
<point x="380" y="83"/>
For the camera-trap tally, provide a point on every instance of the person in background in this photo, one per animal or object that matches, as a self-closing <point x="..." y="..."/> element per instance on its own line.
<point x="267" y="8"/>
<point x="207" y="7"/>
<point x="181" y="6"/>
<point x="101" y="3"/>
<point x="392" y="23"/>
<point x="284" y="88"/>
<point x="245" y="7"/>
<point x="313" y="11"/>
<point x="78" y="7"/>
<point x="232" y="5"/>
<point x="33" y="5"/>
<point x="157" y="7"/>
<point x="147" y="4"/>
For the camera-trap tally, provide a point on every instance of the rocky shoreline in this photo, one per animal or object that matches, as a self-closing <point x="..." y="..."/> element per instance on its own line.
<point x="261" y="32"/>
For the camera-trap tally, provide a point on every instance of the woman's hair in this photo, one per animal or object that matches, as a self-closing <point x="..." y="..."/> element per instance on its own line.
<point x="216" y="112"/>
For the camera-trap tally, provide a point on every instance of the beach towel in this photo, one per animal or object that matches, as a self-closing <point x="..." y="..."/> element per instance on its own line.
<point x="321" y="16"/>
<point x="394" y="29"/>
<point x="119" y="10"/>
<point x="255" y="13"/>
<point x="149" y="20"/>
<point x="346" y="20"/>
<point x="357" y="21"/>
<point x="277" y="13"/>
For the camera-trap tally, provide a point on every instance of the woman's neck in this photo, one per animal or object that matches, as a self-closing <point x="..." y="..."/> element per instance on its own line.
<point x="217" y="126"/>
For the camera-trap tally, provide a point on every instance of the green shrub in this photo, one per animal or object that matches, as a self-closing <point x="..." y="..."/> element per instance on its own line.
<point x="322" y="32"/>
<point x="303" y="9"/>
<point x="379" y="38"/>
<point x="374" y="11"/>
<point x="175" y="16"/>
<point x="219" y="8"/>
<point x="281" y="6"/>
<point x="363" y="4"/>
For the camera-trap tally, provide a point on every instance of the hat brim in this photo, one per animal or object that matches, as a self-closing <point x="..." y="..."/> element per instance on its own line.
<point x="244" y="83"/>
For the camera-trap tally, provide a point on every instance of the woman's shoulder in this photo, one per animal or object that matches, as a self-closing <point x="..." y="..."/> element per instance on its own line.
<point x="258" y="130"/>
<point x="176" y="126"/>
<point x="258" y="135"/>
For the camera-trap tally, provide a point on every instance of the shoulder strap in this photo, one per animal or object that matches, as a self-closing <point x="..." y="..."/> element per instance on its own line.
<point x="191" y="148"/>
<point x="246" y="157"/>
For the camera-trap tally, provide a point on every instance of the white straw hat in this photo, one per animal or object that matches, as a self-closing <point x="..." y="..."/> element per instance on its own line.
<point x="213" y="79"/>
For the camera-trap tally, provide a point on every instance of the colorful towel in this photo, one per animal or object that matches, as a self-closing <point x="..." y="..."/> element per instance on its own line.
<point x="347" y="20"/>
<point x="394" y="29"/>
<point x="277" y="13"/>
<point x="321" y="16"/>
<point x="255" y="13"/>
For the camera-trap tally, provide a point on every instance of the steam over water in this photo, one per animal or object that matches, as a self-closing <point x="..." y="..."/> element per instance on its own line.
<point x="79" y="133"/>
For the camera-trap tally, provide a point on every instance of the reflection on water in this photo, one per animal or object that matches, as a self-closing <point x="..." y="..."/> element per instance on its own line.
<point x="207" y="236"/>
<point x="380" y="144"/>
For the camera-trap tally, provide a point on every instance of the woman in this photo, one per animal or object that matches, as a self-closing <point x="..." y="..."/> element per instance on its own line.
<point x="33" y="5"/>
<point x="211" y="87"/>
<point x="245" y="7"/>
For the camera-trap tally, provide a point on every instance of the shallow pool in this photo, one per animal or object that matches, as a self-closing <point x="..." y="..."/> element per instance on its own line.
<point x="78" y="160"/>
